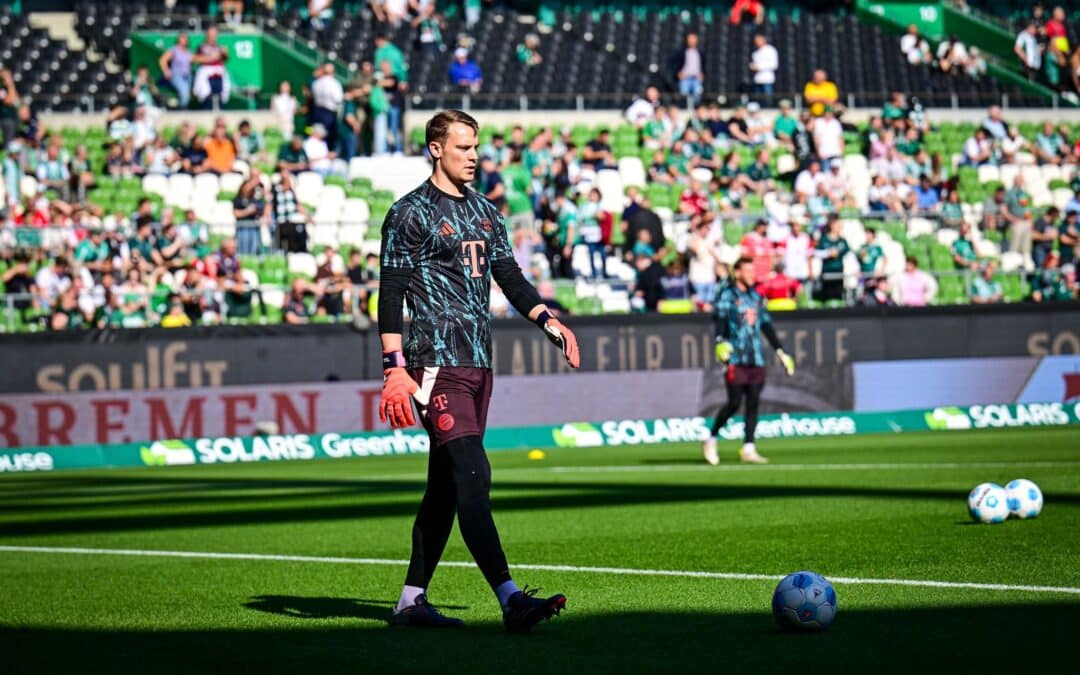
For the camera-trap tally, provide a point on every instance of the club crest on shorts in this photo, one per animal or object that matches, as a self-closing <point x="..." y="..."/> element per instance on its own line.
<point x="445" y="422"/>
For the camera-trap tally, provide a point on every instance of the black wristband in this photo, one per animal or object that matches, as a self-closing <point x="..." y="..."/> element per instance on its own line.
<point x="542" y="319"/>
<point x="393" y="360"/>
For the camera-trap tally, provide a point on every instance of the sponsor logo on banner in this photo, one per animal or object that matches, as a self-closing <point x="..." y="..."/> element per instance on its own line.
<point x="19" y="462"/>
<point x="947" y="419"/>
<point x="577" y="435"/>
<point x="1021" y="415"/>
<point x="167" y="453"/>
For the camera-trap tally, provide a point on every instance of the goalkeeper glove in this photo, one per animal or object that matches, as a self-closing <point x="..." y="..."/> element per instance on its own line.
<point x="562" y="337"/>
<point x="724" y="350"/>
<point x="395" y="405"/>
<point x="786" y="361"/>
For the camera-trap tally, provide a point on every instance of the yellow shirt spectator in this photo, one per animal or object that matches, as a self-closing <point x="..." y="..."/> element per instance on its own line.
<point x="820" y="92"/>
<point x="175" y="321"/>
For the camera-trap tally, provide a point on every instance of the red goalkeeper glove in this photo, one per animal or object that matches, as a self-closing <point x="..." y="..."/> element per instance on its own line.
<point x="564" y="338"/>
<point x="395" y="405"/>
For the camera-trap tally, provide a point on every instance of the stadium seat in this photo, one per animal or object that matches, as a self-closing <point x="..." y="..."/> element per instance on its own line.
<point x="230" y="182"/>
<point x="302" y="264"/>
<point x="308" y="186"/>
<point x="355" y="211"/>
<point x="632" y="172"/>
<point x="1011" y="261"/>
<point x="206" y="184"/>
<point x="989" y="174"/>
<point x="156" y="184"/>
<point x="28" y="186"/>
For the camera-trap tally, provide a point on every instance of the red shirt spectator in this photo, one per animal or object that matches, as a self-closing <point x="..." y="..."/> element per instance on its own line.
<point x="741" y="8"/>
<point x="778" y="285"/>
<point x="756" y="246"/>
<point x="693" y="201"/>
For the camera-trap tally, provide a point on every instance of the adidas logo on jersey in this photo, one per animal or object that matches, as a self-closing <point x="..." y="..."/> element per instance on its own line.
<point x="446" y="230"/>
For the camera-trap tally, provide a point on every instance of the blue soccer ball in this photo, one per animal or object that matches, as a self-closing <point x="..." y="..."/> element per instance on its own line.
<point x="1025" y="499"/>
<point x="804" y="601"/>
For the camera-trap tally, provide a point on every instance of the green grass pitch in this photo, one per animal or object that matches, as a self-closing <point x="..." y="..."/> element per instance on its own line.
<point x="864" y="509"/>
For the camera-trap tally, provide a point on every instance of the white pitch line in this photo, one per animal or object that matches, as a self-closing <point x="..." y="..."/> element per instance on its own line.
<point x="636" y="468"/>
<point x="625" y="571"/>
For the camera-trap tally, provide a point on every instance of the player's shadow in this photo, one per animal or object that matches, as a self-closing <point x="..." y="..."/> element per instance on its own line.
<point x="299" y="607"/>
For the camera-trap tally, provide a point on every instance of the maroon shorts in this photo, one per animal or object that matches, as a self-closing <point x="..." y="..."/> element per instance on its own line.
<point x="458" y="401"/>
<point x="744" y="375"/>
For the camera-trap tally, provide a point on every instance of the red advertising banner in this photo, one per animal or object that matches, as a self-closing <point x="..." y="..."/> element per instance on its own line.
<point x="132" y="416"/>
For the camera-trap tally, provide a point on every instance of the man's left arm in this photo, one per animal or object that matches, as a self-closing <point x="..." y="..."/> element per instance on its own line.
<point x="774" y="341"/>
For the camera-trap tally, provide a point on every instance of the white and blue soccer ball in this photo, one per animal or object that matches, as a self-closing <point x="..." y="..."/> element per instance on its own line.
<point x="804" y="601"/>
<point x="1025" y="499"/>
<point x="988" y="503"/>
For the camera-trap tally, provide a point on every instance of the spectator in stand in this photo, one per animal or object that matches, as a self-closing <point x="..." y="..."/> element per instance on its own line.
<point x="1018" y="213"/>
<point x="778" y="288"/>
<point x="528" y="52"/>
<point x="290" y="217"/>
<point x="1069" y="239"/>
<point x="828" y="137"/>
<point x="464" y="72"/>
<point x="644" y="108"/>
<point x="704" y="251"/>
<point x="985" y="289"/>
<point x="963" y="250"/>
<point x="995" y="214"/>
<point x="952" y="212"/>
<point x="1027" y="49"/>
<point x="927" y="197"/>
<point x="327" y="98"/>
<point x="1044" y="234"/>
<point x="914" y="47"/>
<point x="978" y="149"/>
<point x="386" y="111"/>
<point x="220" y="150"/>
<point x="785" y="125"/>
<point x="675" y="282"/>
<point x="876" y="293"/>
<point x="797" y="253"/>
<point x="688" y="69"/>
<point x="429" y="28"/>
<point x="952" y="56"/>
<point x="251" y="211"/>
<point x="914" y="288"/>
<point x="1050" y="146"/>
<point x="211" y="85"/>
<point x="232" y="12"/>
<point x="807" y="181"/>
<point x="9" y="108"/>
<point x="319" y="12"/>
<point x="995" y="125"/>
<point x="196" y="160"/>
<point x="764" y="62"/>
<point x="1012" y="144"/>
<point x="1049" y="284"/>
<point x="320" y="157"/>
<point x="742" y="10"/>
<point x="248" y="142"/>
<point x="831" y="249"/>
<point x="598" y="152"/>
<point x="649" y="290"/>
<point x="976" y="65"/>
<point x="175" y="66"/>
<point x="756" y="246"/>
<point x="292" y="157"/>
<point x="18" y="282"/>
<point x="820" y="92"/>
<point x="295" y="309"/>
<point x="490" y="183"/>
<point x="284" y="105"/>
<point x="52" y="280"/>
<point x="53" y="173"/>
<point x="331" y="284"/>
<point x="561" y="248"/>
<point x="871" y="256"/>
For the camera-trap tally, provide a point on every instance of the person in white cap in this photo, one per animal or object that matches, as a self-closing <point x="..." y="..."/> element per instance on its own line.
<point x="320" y="158"/>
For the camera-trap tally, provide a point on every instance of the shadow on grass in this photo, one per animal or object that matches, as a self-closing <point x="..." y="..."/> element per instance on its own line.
<point x="937" y="640"/>
<point x="328" y="608"/>
<point x="358" y="499"/>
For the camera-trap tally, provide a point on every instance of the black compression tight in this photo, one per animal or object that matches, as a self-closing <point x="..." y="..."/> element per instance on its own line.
<point x="735" y="394"/>
<point x="459" y="482"/>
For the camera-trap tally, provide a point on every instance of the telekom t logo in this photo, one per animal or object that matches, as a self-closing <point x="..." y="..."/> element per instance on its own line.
<point x="474" y="259"/>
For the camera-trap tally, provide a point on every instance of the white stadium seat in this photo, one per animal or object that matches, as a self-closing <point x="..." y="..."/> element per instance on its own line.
<point x="156" y="184"/>
<point x="302" y="263"/>
<point x="230" y="182"/>
<point x="206" y="183"/>
<point x="632" y="171"/>
<point x="308" y="186"/>
<point x="355" y="211"/>
<point x="989" y="173"/>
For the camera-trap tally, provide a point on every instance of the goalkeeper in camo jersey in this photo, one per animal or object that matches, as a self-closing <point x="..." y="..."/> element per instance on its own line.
<point x="442" y="245"/>
<point x="741" y="320"/>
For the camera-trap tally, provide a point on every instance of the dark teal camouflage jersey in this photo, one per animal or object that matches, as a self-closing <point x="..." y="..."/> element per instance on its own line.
<point x="740" y="316"/>
<point x="448" y="245"/>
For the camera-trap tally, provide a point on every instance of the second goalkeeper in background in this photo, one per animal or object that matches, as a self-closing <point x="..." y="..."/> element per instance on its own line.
<point x="741" y="320"/>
